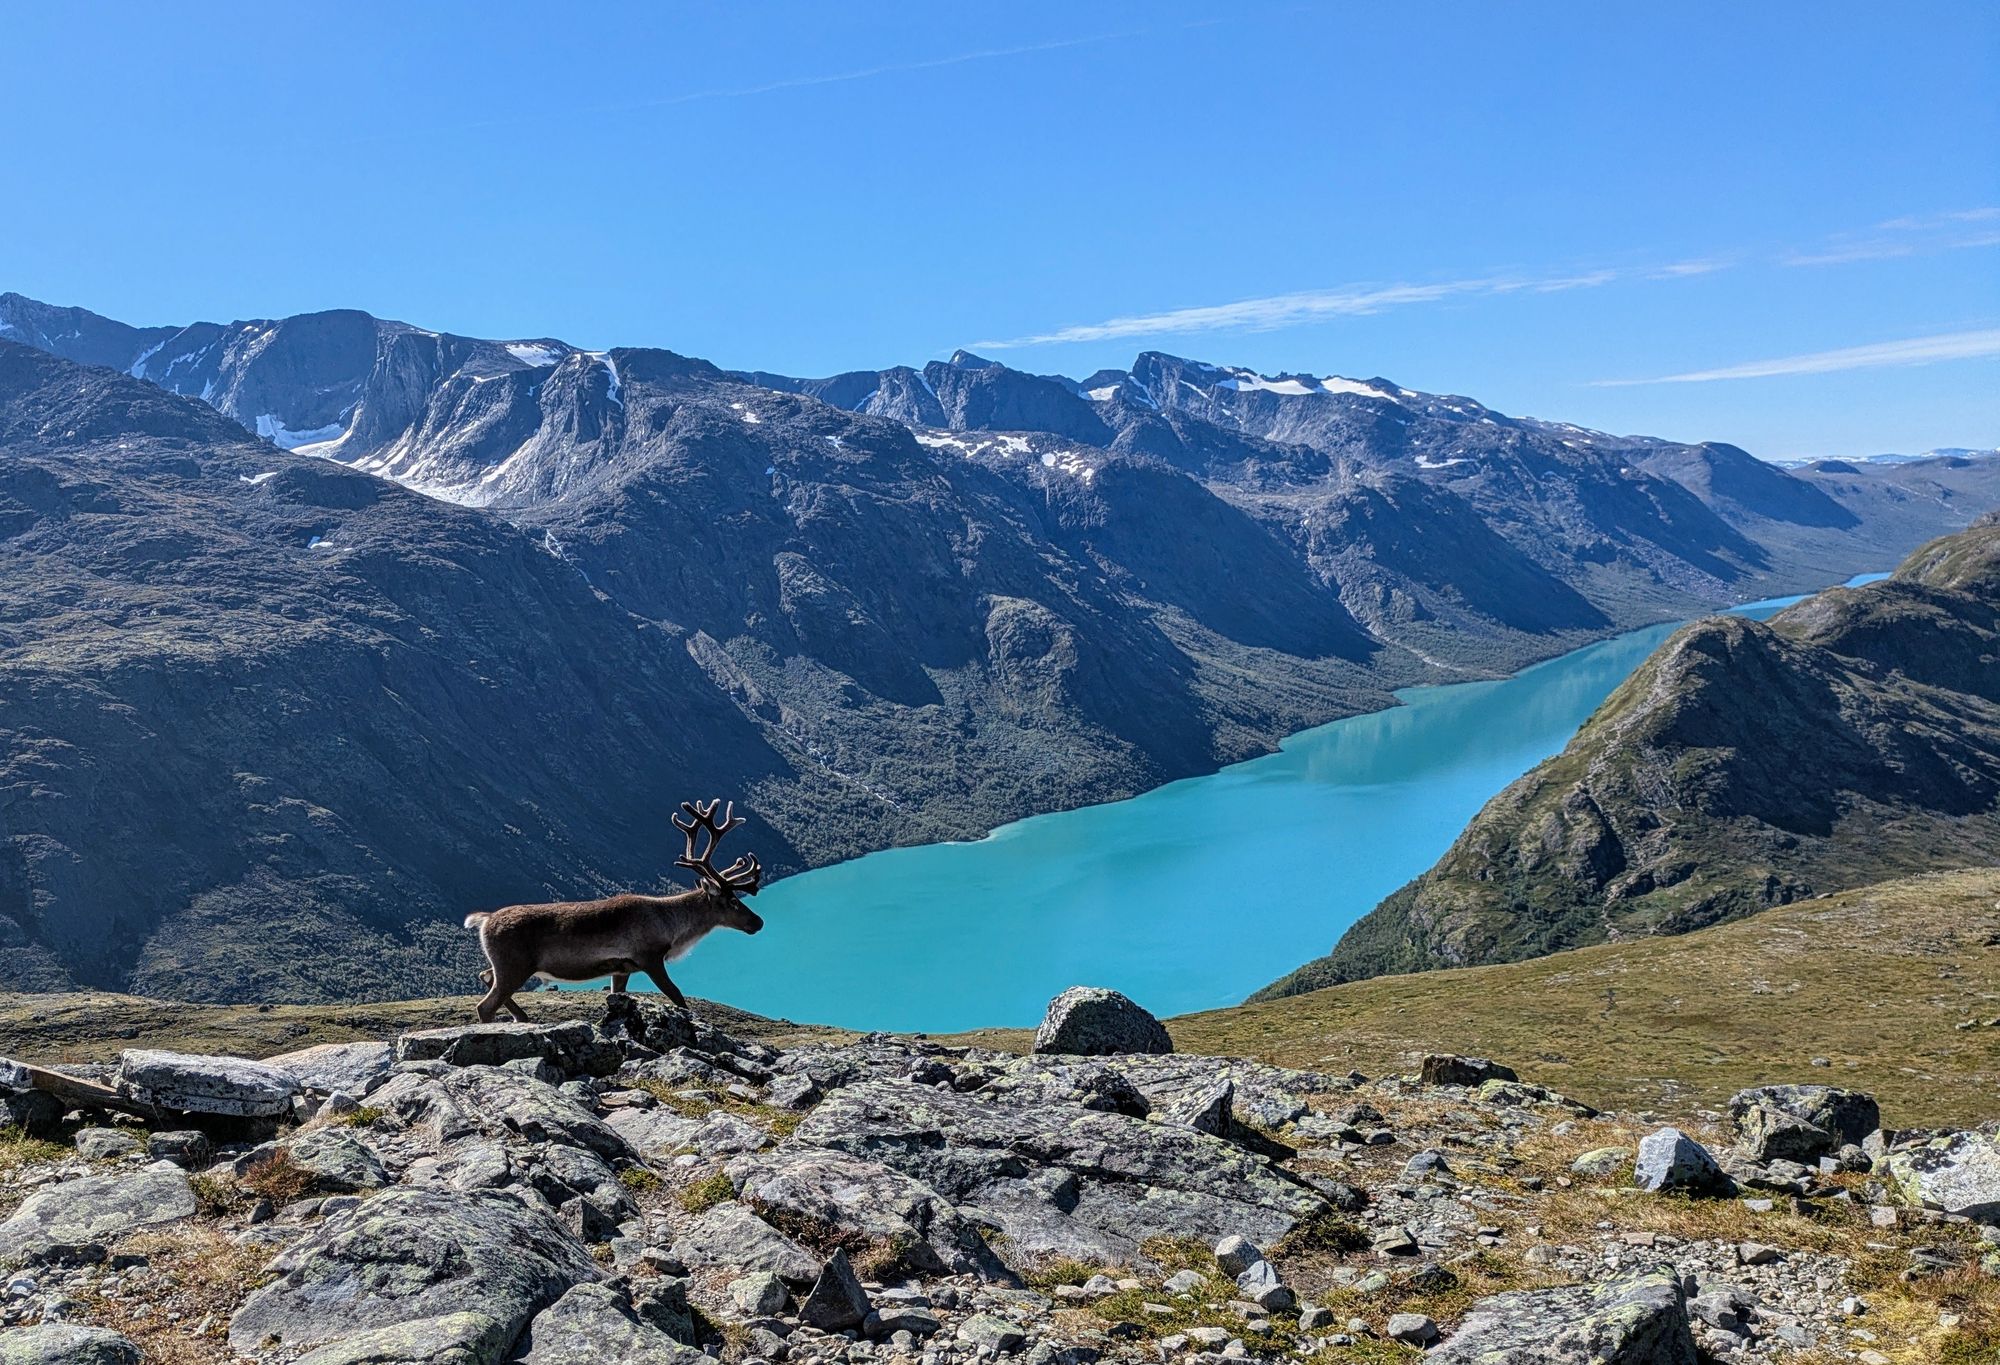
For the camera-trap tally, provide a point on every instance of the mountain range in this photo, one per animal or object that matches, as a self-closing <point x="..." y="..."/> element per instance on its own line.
<point x="1854" y="738"/>
<point x="323" y="630"/>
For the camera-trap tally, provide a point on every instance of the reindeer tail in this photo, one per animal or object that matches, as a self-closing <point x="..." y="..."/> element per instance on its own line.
<point x="477" y="920"/>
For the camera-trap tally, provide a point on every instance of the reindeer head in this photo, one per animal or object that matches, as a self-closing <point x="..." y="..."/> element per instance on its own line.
<point x="741" y="878"/>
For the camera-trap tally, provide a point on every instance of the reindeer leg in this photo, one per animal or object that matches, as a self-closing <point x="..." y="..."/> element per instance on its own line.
<point x="618" y="980"/>
<point x="657" y="971"/>
<point x="501" y="995"/>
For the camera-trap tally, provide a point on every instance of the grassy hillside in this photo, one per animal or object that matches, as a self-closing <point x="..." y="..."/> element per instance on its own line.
<point x="1875" y="980"/>
<point x="1851" y="739"/>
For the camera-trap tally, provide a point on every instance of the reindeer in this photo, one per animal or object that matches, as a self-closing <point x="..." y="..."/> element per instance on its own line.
<point x="620" y="935"/>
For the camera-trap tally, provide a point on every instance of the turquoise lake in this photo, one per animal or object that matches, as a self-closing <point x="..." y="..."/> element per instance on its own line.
<point x="1187" y="897"/>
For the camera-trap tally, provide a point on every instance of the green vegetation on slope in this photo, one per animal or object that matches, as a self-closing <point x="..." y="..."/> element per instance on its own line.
<point x="1853" y="738"/>
<point x="1876" y="981"/>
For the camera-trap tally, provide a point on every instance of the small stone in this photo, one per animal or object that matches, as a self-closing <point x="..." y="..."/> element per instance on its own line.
<point x="1756" y="1253"/>
<point x="1236" y="1255"/>
<point x="1412" y="1329"/>
<point x="104" y="1144"/>
<point x="1314" y="1318"/>
<point x="836" y="1301"/>
<point x="1671" y="1160"/>
<point x="759" y="1295"/>
<point x="992" y="1332"/>
<point x="1184" y="1282"/>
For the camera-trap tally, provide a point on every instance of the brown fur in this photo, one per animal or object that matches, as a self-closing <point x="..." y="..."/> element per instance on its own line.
<point x="619" y="935"/>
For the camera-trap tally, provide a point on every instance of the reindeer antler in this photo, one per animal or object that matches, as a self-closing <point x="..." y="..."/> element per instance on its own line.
<point x="741" y="877"/>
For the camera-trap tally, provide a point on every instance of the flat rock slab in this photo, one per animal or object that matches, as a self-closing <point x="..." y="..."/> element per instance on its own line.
<point x="572" y="1045"/>
<point x="1636" y="1320"/>
<point x="852" y="1201"/>
<point x="454" y="1339"/>
<point x="1958" y="1174"/>
<point x="63" y="1221"/>
<point x="731" y="1237"/>
<point x="591" y="1325"/>
<point x="231" y="1087"/>
<point x="337" y="1068"/>
<point x="657" y="1134"/>
<point x="1061" y="1180"/>
<point x="412" y="1254"/>
<point x="459" y="1102"/>
<point x="62" y="1343"/>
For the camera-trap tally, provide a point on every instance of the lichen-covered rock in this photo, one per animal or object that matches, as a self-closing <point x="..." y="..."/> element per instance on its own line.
<point x="1671" y="1160"/>
<point x="592" y="1325"/>
<point x="1092" y="1021"/>
<point x="225" y="1086"/>
<point x="1062" y="1180"/>
<point x="1849" y="1115"/>
<point x="1959" y="1174"/>
<point x="76" y="1218"/>
<point x="62" y="1343"/>
<point x="731" y="1237"/>
<point x="337" y="1068"/>
<point x="647" y="1022"/>
<point x="851" y="1201"/>
<point x="448" y="1104"/>
<point x="1601" y="1163"/>
<point x="336" y="1161"/>
<point x="1635" y="1320"/>
<point x="454" y="1339"/>
<point x="1768" y="1134"/>
<point x="412" y="1254"/>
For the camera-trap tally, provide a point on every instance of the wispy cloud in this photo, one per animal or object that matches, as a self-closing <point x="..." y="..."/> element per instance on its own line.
<point x="1924" y="234"/>
<point x="1881" y="354"/>
<point x="1910" y="236"/>
<point x="1286" y="310"/>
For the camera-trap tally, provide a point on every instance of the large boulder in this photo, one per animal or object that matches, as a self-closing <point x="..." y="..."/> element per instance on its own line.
<point x="77" y="1218"/>
<point x="1061" y="1180"/>
<point x="412" y="1254"/>
<point x="454" y="1339"/>
<point x="1849" y="1115"/>
<point x="62" y="1343"/>
<point x="592" y="1325"/>
<point x="346" y="1068"/>
<point x="848" y="1201"/>
<point x="1094" y="1022"/>
<point x="1635" y="1320"/>
<point x="1671" y="1161"/>
<point x="1768" y="1134"/>
<point x="230" y="1087"/>
<point x="1957" y="1174"/>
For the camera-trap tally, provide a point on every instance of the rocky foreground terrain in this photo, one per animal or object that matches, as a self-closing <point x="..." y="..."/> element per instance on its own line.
<point x="649" y="1188"/>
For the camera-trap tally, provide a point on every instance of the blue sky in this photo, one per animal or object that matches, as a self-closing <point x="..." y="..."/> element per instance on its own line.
<point x="1793" y="208"/>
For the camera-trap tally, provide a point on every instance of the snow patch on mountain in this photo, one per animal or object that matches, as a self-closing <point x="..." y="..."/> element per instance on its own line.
<point x="275" y="431"/>
<point x="534" y="355"/>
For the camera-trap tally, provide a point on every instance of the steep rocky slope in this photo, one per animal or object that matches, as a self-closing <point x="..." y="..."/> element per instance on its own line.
<point x="1853" y="737"/>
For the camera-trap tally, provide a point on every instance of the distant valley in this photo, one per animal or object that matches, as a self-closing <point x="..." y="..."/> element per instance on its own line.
<point x="323" y="630"/>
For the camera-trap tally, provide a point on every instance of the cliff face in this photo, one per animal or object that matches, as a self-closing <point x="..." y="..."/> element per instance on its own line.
<point x="1854" y="737"/>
